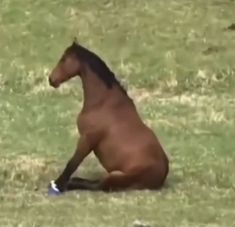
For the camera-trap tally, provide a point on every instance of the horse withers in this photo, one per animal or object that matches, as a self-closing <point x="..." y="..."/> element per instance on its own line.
<point x="110" y="126"/>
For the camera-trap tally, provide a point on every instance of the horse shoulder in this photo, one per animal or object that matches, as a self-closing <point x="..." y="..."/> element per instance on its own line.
<point x="87" y="125"/>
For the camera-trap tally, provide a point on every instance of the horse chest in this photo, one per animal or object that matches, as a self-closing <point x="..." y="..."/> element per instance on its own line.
<point x="88" y="123"/>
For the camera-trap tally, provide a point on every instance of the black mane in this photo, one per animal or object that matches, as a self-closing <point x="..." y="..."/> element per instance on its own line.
<point x="97" y="65"/>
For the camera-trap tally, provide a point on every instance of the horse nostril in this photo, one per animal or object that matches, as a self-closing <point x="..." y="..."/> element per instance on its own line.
<point x="53" y="83"/>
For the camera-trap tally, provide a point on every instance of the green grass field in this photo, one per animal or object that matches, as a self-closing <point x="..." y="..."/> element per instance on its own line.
<point x="177" y="60"/>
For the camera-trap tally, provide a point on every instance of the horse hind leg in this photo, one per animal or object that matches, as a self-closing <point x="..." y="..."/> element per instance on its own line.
<point x="77" y="183"/>
<point x="115" y="181"/>
<point x="118" y="181"/>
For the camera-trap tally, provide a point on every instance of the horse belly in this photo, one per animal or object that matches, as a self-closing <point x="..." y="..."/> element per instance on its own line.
<point x="107" y="158"/>
<point x="116" y="153"/>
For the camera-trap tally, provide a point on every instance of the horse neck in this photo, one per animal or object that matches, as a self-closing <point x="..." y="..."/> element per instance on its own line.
<point x="95" y="91"/>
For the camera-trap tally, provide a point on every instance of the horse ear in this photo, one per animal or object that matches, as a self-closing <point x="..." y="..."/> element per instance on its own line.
<point x="75" y="40"/>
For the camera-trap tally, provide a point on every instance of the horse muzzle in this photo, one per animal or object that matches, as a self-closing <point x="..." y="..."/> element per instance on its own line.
<point x="53" y="83"/>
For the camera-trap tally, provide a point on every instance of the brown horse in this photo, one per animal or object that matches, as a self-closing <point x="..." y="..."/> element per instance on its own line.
<point x="110" y="126"/>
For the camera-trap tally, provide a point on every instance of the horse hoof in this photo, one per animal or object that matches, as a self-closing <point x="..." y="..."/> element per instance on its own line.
<point x="53" y="190"/>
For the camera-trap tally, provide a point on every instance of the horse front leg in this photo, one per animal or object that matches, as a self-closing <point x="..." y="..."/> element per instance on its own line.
<point x="82" y="150"/>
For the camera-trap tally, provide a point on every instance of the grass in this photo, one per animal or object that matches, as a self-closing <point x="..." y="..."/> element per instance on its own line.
<point x="177" y="60"/>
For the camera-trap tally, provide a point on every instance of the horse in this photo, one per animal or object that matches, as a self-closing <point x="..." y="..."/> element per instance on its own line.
<point x="110" y="126"/>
